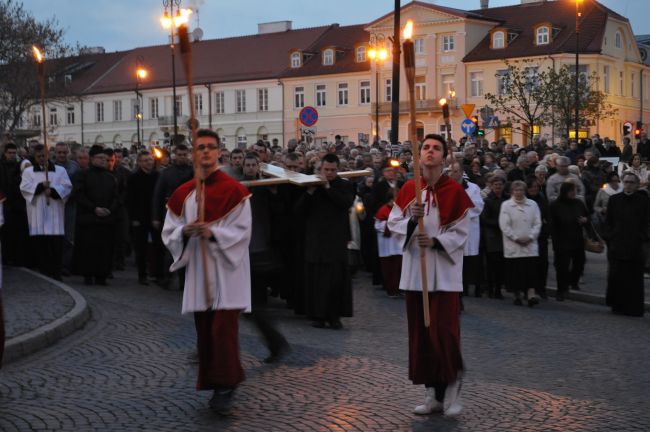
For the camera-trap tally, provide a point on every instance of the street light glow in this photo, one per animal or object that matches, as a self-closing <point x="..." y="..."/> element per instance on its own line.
<point x="372" y="54"/>
<point x="166" y="21"/>
<point x="142" y="73"/>
<point x="182" y="17"/>
<point x="383" y="54"/>
<point x="37" y="54"/>
<point x="408" y="30"/>
<point x="442" y="101"/>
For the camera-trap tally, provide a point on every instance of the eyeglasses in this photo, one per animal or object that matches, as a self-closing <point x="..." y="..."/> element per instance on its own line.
<point x="202" y="147"/>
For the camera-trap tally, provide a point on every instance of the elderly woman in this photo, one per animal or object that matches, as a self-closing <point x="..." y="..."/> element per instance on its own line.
<point x="635" y="167"/>
<point x="520" y="222"/>
<point x="491" y="236"/>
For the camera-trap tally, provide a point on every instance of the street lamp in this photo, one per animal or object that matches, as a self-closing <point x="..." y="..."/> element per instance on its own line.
<point x="577" y="71"/>
<point x="140" y="74"/>
<point x="377" y="53"/>
<point x="170" y="21"/>
<point x="445" y="114"/>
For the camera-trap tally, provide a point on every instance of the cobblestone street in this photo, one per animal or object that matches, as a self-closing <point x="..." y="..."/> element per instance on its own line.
<point x="558" y="367"/>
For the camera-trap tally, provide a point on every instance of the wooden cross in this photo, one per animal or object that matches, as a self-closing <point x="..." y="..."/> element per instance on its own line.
<point x="278" y="175"/>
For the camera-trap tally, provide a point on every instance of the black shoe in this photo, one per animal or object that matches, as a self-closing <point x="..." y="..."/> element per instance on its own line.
<point x="221" y="401"/>
<point x="498" y="295"/>
<point x="544" y="296"/>
<point x="278" y="354"/>
<point x="88" y="280"/>
<point x="319" y="324"/>
<point x="518" y="302"/>
<point x="119" y="267"/>
<point x="110" y="275"/>
<point x="335" y="324"/>
<point x="143" y="281"/>
<point x="559" y="296"/>
<point x="533" y="301"/>
<point x="101" y="281"/>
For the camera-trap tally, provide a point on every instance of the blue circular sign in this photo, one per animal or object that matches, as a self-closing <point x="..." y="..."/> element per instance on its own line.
<point x="308" y="116"/>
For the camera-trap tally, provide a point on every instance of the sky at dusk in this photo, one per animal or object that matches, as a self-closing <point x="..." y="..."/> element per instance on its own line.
<point x="124" y="24"/>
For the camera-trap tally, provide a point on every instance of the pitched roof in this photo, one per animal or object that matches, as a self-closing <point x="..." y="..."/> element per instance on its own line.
<point x="459" y="13"/>
<point x="522" y="18"/>
<point x="344" y="40"/>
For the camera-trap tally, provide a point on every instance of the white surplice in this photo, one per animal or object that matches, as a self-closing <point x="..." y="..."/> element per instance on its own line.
<point x="387" y="246"/>
<point x="444" y="268"/>
<point x="228" y="261"/>
<point x="474" y="240"/>
<point x="45" y="219"/>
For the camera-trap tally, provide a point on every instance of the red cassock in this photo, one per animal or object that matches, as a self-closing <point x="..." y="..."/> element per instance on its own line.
<point x="390" y="253"/>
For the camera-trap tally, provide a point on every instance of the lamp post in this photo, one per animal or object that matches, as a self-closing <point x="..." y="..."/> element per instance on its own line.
<point x="140" y="74"/>
<point x="445" y="114"/>
<point x="170" y="21"/>
<point x="377" y="53"/>
<point x="577" y="95"/>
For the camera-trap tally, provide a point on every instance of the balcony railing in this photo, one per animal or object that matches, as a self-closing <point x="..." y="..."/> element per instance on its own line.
<point x="425" y="105"/>
<point x="169" y="120"/>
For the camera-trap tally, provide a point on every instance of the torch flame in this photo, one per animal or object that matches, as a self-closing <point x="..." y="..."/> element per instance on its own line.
<point x="408" y="30"/>
<point x="157" y="153"/>
<point x="394" y="163"/>
<point x="182" y="17"/>
<point x="37" y="54"/>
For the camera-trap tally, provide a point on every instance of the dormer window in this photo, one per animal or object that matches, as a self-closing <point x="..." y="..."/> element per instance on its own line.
<point x="543" y="35"/>
<point x="361" y="54"/>
<point x="328" y="57"/>
<point x="498" y="40"/>
<point x="296" y="59"/>
<point x="618" y="40"/>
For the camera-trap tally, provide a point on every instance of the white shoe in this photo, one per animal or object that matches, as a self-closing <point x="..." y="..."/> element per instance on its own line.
<point x="452" y="405"/>
<point x="430" y="406"/>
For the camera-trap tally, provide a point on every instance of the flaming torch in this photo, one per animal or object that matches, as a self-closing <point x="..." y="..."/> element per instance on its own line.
<point x="408" y="48"/>
<point x="41" y="79"/>
<point x="186" y="54"/>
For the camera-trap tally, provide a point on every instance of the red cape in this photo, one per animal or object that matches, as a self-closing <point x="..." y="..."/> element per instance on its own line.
<point x="383" y="213"/>
<point x="449" y="196"/>
<point x="222" y="195"/>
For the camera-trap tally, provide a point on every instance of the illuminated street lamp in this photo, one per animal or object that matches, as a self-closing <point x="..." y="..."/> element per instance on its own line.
<point x="378" y="54"/>
<point x="140" y="74"/>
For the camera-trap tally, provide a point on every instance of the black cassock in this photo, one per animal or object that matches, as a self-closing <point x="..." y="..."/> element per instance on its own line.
<point x="626" y="228"/>
<point x="94" y="235"/>
<point x="328" y="289"/>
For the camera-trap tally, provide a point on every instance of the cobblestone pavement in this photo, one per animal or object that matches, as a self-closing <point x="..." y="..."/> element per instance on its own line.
<point x="30" y="302"/>
<point x="558" y="367"/>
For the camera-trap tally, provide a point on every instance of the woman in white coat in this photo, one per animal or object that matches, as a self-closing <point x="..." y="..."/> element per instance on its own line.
<point x="520" y="222"/>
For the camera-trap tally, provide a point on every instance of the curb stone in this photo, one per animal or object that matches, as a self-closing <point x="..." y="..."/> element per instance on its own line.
<point x="586" y="297"/>
<point x="53" y="331"/>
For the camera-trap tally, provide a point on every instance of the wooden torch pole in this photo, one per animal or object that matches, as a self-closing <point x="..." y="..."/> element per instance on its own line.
<point x="41" y="79"/>
<point x="409" y="66"/>
<point x="186" y="54"/>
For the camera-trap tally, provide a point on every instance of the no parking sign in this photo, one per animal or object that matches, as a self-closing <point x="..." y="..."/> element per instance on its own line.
<point x="308" y="116"/>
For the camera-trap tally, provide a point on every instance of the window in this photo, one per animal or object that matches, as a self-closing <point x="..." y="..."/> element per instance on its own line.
<point x="448" y="43"/>
<point x="447" y="85"/>
<point x="242" y="139"/>
<point x="343" y="94"/>
<point x="621" y="84"/>
<point x="476" y="79"/>
<point x="498" y="40"/>
<point x="117" y="110"/>
<point x="70" y="116"/>
<point x="179" y="105"/>
<point x="606" y="78"/>
<point x="54" y="119"/>
<point x="67" y="80"/>
<point x="198" y="103"/>
<point x="240" y="101"/>
<point x="296" y="60"/>
<point x="389" y="90"/>
<point x="328" y="57"/>
<point x="532" y="77"/>
<point x="299" y="97"/>
<point x="263" y="99"/>
<point x="364" y="92"/>
<point x="618" y="40"/>
<point x="419" y="46"/>
<point x="36" y="119"/>
<point x="321" y="95"/>
<point x="361" y="54"/>
<point x="153" y="105"/>
<point x="542" y="36"/>
<point x="502" y="82"/>
<point x="420" y="88"/>
<point x="632" y="89"/>
<point x="219" y="102"/>
<point x="99" y="111"/>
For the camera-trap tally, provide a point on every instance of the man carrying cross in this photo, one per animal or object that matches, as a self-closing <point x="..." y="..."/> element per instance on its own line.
<point x="434" y="352"/>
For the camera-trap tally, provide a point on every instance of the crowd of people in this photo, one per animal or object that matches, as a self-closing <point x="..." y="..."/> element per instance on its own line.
<point x="73" y="211"/>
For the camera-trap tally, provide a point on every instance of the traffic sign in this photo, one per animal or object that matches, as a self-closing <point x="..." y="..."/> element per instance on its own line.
<point x="491" y="122"/>
<point x="468" y="109"/>
<point x="468" y="127"/>
<point x="486" y="112"/>
<point x="308" y="116"/>
<point x="308" y="131"/>
<point x="627" y="128"/>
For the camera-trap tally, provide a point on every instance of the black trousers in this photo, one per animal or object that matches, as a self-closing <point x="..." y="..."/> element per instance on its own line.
<point x="569" y="265"/>
<point x="48" y="250"/>
<point x="140" y="236"/>
<point x="261" y="315"/>
<point x="496" y="268"/>
<point x="542" y="266"/>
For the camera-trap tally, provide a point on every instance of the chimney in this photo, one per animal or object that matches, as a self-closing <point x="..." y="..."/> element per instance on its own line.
<point x="485" y="4"/>
<point x="273" y="27"/>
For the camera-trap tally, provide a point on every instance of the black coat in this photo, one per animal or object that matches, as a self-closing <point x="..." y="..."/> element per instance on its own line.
<point x="169" y="179"/>
<point x="566" y="231"/>
<point x="490" y="231"/>
<point x="139" y="194"/>
<point x="626" y="225"/>
<point x="327" y="223"/>
<point x="95" y="187"/>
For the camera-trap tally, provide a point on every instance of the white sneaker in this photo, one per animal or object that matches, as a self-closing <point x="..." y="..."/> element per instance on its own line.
<point x="452" y="405"/>
<point x="430" y="406"/>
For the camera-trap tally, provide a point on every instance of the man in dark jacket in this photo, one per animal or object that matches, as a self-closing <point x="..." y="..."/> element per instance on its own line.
<point x="326" y="212"/>
<point x="140" y="186"/>
<point x="15" y="231"/>
<point x="121" y="175"/>
<point x="492" y="237"/>
<point x="96" y="195"/>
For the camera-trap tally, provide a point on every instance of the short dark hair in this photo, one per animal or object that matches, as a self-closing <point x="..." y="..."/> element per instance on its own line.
<point x="109" y="152"/>
<point x="331" y="158"/>
<point x="236" y="151"/>
<point x="610" y="176"/>
<point x="565" y="188"/>
<point x="439" y="138"/>
<point x="208" y="133"/>
<point x="181" y="147"/>
<point x="38" y="148"/>
<point x="292" y="157"/>
<point x="252" y="155"/>
<point x="11" y="146"/>
<point x="143" y="153"/>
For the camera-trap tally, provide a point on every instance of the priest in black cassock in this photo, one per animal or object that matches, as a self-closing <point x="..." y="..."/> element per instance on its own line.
<point x="325" y="209"/>
<point x="96" y="194"/>
<point x="626" y="228"/>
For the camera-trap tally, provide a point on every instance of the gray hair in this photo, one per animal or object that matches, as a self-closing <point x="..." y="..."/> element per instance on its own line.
<point x="541" y="168"/>
<point x="574" y="169"/>
<point x="522" y="160"/>
<point x="563" y="160"/>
